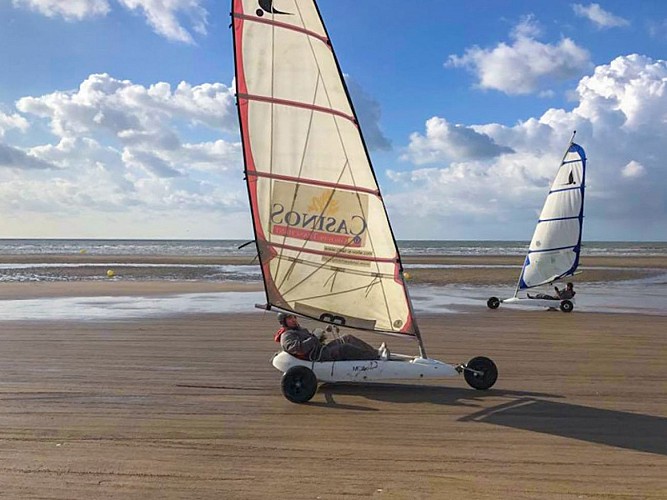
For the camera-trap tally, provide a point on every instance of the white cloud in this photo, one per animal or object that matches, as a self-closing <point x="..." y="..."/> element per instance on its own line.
<point x="166" y="17"/>
<point x="620" y="118"/>
<point x="657" y="28"/>
<point x="633" y="169"/>
<point x="71" y="10"/>
<point x="630" y="92"/>
<point x="444" y="141"/>
<point x="527" y="27"/>
<point x="13" y="121"/>
<point x="134" y="114"/>
<point x="598" y="16"/>
<point x="121" y="153"/>
<point x="525" y="65"/>
<point x="162" y="15"/>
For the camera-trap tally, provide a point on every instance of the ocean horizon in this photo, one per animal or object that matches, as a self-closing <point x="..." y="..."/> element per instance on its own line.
<point x="231" y="247"/>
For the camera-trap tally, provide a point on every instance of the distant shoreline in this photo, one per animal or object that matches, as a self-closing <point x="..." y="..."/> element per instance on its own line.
<point x="644" y="261"/>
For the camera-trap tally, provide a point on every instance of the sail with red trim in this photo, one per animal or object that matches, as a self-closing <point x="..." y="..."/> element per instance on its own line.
<point x="554" y="250"/>
<point x="324" y="241"/>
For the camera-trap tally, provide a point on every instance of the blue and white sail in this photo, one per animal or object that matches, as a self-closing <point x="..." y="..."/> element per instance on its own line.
<point x="556" y="244"/>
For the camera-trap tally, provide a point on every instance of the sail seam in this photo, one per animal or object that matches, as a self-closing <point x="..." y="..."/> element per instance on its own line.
<point x="296" y="104"/>
<point x="313" y="182"/>
<point x="558" y="218"/>
<point x="332" y="254"/>
<point x="330" y="294"/>
<point x="565" y="189"/>
<point x="356" y="272"/>
<point x="286" y="26"/>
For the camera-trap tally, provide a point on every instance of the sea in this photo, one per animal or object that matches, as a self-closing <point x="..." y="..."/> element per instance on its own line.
<point x="221" y="248"/>
<point x="644" y="295"/>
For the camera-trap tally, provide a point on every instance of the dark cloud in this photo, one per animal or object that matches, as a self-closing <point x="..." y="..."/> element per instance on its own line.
<point x="11" y="157"/>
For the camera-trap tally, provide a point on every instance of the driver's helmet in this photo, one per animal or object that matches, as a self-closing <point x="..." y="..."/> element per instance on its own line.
<point x="282" y="318"/>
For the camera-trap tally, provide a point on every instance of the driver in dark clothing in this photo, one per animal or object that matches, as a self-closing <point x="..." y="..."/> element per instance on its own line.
<point x="301" y="343"/>
<point x="564" y="294"/>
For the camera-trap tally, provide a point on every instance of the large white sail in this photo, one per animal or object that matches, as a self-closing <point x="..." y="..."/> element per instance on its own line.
<point x="556" y="244"/>
<point x="324" y="241"/>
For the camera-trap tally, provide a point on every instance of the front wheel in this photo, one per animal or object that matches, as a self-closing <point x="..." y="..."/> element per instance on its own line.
<point x="299" y="384"/>
<point x="566" y="306"/>
<point x="484" y="375"/>
<point x="493" y="303"/>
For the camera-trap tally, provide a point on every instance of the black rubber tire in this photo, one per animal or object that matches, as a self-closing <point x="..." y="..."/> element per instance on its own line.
<point x="493" y="303"/>
<point x="566" y="306"/>
<point x="489" y="373"/>
<point x="299" y="384"/>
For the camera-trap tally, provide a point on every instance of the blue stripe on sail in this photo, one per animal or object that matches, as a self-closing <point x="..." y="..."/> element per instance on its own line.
<point x="576" y="148"/>
<point x="566" y="189"/>
<point x="558" y="218"/>
<point x="526" y="263"/>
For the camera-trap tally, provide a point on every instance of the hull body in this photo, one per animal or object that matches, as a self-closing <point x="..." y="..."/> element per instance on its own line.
<point x="369" y="370"/>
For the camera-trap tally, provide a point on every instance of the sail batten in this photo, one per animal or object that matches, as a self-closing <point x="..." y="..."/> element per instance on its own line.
<point x="315" y="182"/>
<point x="556" y="244"/>
<point x="296" y="104"/>
<point x="563" y="189"/>
<point x="278" y="24"/>
<point x="558" y="218"/>
<point x="324" y="241"/>
<point x="543" y="250"/>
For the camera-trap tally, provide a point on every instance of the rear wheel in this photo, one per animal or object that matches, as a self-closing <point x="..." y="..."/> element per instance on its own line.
<point x="299" y="384"/>
<point x="493" y="303"/>
<point x="484" y="375"/>
<point x="566" y="306"/>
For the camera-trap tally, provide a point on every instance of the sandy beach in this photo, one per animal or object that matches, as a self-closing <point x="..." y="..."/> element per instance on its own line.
<point x="189" y="406"/>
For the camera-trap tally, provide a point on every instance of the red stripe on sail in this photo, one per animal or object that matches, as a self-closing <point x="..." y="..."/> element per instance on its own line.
<point x="315" y="182"/>
<point x="297" y="104"/>
<point x="332" y="254"/>
<point x="271" y="288"/>
<point x="271" y="22"/>
<point x="408" y="327"/>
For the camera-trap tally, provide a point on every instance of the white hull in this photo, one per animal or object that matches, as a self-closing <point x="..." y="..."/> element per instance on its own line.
<point x="369" y="370"/>
<point x="534" y="302"/>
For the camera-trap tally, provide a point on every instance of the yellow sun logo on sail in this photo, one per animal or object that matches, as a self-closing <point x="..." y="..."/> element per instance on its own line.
<point x="324" y="204"/>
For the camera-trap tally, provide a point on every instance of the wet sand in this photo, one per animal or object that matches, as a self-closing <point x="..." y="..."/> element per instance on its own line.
<point x="119" y="287"/>
<point x="190" y="407"/>
<point x="87" y="278"/>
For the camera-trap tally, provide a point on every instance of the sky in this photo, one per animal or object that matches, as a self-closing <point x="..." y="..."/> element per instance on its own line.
<point x="118" y="118"/>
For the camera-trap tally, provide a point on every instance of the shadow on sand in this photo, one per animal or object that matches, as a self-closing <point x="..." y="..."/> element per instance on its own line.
<point x="632" y="431"/>
<point x="524" y="410"/>
<point x="410" y="393"/>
